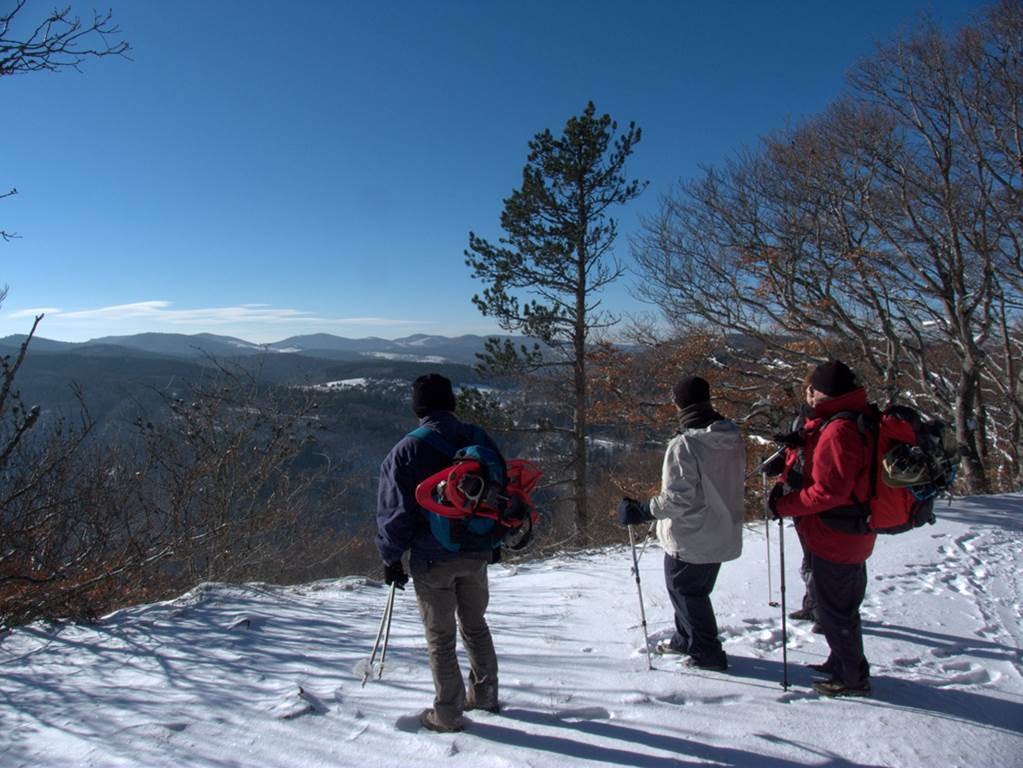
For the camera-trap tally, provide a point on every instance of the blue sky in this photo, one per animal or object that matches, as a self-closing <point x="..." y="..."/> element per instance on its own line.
<point x="267" y="169"/>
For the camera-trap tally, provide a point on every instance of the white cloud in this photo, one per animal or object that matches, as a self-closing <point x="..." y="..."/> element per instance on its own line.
<point x="34" y="312"/>
<point x="120" y="311"/>
<point x="260" y="323"/>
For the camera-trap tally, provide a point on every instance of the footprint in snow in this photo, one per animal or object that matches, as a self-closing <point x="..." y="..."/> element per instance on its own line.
<point x="357" y="730"/>
<point x="751" y="627"/>
<point x="798" y="695"/>
<point x="769" y="640"/>
<point x="966" y="673"/>
<point x="907" y="662"/>
<point x="988" y="631"/>
<point x="299" y="703"/>
<point x="965" y="542"/>
<point x="677" y="699"/>
<point x="247" y="622"/>
<point x="957" y="583"/>
<point x="635" y="698"/>
<point x="726" y="700"/>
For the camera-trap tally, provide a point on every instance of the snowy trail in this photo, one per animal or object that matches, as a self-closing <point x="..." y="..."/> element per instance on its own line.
<point x="258" y="675"/>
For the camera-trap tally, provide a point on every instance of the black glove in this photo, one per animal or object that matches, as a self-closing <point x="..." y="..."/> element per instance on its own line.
<point x="790" y="439"/>
<point x="394" y="573"/>
<point x="773" y="465"/>
<point x="632" y="512"/>
<point x="772" y="500"/>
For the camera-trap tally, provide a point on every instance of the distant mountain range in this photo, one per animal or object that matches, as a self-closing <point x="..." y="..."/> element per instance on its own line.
<point x="118" y="376"/>
<point x="422" y="348"/>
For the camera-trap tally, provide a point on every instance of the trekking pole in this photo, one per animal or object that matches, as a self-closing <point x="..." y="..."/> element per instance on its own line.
<point x="767" y="539"/>
<point x="387" y="634"/>
<point x="384" y="620"/>
<point x="784" y="626"/>
<point x="639" y="589"/>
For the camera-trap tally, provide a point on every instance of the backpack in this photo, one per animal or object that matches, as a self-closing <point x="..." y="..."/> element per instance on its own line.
<point x="915" y="460"/>
<point x="480" y="501"/>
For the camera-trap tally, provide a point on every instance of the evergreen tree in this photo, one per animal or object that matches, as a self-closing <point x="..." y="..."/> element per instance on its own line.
<point x="545" y="274"/>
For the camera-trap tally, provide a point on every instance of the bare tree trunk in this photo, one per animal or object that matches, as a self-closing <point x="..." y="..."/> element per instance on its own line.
<point x="580" y="489"/>
<point x="966" y="429"/>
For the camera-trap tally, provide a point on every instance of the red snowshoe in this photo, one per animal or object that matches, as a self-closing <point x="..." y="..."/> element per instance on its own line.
<point x="463" y="490"/>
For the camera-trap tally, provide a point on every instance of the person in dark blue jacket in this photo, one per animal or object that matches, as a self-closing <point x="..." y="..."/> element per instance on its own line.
<point x="448" y="583"/>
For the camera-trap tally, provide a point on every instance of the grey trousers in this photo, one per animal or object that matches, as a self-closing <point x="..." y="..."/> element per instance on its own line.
<point x="446" y="590"/>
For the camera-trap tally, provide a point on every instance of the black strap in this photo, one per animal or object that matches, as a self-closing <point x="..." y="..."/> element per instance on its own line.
<point x="855" y="517"/>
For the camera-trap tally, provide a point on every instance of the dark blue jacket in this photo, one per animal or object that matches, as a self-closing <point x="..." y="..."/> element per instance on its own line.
<point x="401" y="523"/>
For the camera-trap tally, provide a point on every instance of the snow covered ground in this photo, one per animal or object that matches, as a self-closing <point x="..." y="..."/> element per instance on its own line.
<point x="260" y="675"/>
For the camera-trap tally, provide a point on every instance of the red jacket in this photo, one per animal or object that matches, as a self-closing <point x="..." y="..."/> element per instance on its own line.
<point x="836" y="473"/>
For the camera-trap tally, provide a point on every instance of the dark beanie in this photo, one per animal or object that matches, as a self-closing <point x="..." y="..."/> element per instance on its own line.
<point x="432" y="392"/>
<point x="833" y="378"/>
<point x="690" y="390"/>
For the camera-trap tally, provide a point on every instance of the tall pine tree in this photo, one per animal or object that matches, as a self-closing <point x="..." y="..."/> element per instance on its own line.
<point x="545" y="274"/>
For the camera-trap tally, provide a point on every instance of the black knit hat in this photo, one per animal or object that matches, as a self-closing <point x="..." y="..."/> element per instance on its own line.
<point x="833" y="378"/>
<point x="690" y="390"/>
<point x="432" y="392"/>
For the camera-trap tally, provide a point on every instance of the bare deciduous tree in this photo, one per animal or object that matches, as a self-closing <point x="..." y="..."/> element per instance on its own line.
<point x="885" y="229"/>
<point x="209" y="486"/>
<point x="59" y="41"/>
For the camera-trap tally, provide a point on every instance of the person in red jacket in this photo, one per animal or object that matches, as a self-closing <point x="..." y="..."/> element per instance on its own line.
<point x="836" y="461"/>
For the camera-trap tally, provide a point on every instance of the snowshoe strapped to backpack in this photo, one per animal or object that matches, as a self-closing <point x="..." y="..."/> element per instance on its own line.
<point x="481" y="501"/>
<point x="914" y="461"/>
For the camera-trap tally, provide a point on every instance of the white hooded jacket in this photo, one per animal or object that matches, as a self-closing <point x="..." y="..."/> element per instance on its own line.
<point x="699" y="510"/>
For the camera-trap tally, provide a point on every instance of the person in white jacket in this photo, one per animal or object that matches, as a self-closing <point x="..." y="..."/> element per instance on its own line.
<point x="699" y="514"/>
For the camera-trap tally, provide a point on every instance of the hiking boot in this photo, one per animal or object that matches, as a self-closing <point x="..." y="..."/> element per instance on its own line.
<point x="833" y="688"/>
<point x="803" y="614"/>
<point x="482" y="695"/>
<point x="429" y="720"/>
<point x="716" y="665"/>
<point x="665" y="648"/>
<point x="817" y="629"/>
<point x="486" y="706"/>
<point x="824" y="669"/>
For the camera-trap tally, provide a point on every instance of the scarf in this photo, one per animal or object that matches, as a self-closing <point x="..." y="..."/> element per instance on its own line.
<point x="698" y="416"/>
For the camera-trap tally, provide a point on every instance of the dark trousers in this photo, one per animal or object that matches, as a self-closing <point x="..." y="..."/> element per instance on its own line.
<point x="696" y="628"/>
<point x="839" y="589"/>
<point x="809" y="601"/>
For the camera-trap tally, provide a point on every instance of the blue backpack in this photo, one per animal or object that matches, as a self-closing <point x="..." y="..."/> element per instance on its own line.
<point x="472" y="533"/>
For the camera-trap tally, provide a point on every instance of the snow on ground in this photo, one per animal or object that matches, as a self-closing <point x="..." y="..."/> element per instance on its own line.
<point x="342" y="384"/>
<point x="259" y="675"/>
<point x="409" y="357"/>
